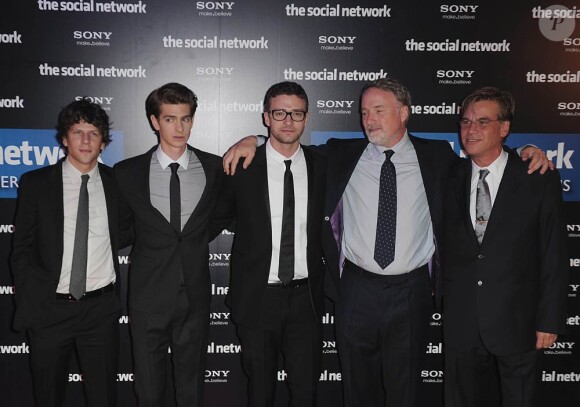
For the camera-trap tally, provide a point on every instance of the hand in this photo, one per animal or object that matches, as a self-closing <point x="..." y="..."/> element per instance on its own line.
<point x="545" y="340"/>
<point x="246" y="147"/>
<point x="539" y="160"/>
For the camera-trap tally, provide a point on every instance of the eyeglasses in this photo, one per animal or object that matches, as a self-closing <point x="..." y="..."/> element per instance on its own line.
<point x="281" y="115"/>
<point x="480" y="123"/>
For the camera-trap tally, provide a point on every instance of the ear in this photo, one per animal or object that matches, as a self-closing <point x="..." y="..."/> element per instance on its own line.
<point x="155" y="122"/>
<point x="65" y="141"/>
<point x="404" y="113"/>
<point x="504" y="129"/>
<point x="266" y="119"/>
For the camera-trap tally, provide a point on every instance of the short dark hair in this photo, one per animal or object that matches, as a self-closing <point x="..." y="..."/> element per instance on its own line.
<point x="505" y="100"/>
<point x="172" y="94"/>
<point x="400" y="91"/>
<point x="83" y="110"/>
<point x="284" y="88"/>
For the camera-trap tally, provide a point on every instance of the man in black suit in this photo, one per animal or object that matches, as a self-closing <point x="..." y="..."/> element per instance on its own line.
<point x="66" y="266"/>
<point x="505" y="263"/>
<point x="276" y="285"/>
<point x="171" y="191"/>
<point x="382" y="292"/>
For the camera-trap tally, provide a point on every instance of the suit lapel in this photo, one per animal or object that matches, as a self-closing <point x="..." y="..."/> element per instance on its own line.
<point x="109" y="188"/>
<point x="462" y="192"/>
<point x="312" y="188"/>
<point x="428" y="172"/>
<point x="349" y="162"/>
<point x="142" y="188"/>
<point x="55" y="200"/>
<point x="209" y="174"/>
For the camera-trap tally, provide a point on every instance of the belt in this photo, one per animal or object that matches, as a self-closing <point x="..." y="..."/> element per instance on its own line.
<point x="387" y="278"/>
<point x="88" y="295"/>
<point x="291" y="284"/>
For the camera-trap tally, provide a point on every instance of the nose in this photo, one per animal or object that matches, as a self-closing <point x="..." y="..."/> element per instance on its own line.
<point x="179" y="125"/>
<point x="288" y="119"/>
<point x="368" y="119"/>
<point x="85" y="138"/>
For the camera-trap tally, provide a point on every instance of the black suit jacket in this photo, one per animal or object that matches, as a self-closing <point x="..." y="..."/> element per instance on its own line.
<point x="246" y="198"/>
<point x="435" y="158"/>
<point x="515" y="283"/>
<point x="38" y="239"/>
<point x="159" y="252"/>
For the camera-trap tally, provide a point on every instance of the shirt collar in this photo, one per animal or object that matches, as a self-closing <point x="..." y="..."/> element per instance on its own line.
<point x="496" y="168"/>
<point x="376" y="152"/>
<point x="279" y="158"/>
<point x="165" y="160"/>
<point x="75" y="175"/>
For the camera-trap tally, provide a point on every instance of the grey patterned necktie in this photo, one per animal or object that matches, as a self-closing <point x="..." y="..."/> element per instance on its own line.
<point x="78" y="273"/>
<point x="482" y="205"/>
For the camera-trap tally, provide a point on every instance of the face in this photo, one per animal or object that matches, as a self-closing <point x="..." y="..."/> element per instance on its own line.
<point x="384" y="119"/>
<point x="174" y="127"/>
<point x="84" y="143"/>
<point x="482" y="139"/>
<point x="285" y="134"/>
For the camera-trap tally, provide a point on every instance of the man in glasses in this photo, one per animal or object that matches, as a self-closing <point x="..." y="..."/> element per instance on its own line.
<point x="276" y="284"/>
<point x="505" y="263"/>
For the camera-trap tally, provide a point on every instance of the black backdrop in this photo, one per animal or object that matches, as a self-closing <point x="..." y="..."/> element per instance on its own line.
<point x="229" y="52"/>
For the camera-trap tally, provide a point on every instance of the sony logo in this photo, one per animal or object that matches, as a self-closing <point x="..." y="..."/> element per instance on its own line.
<point x="454" y="74"/>
<point x="215" y="5"/>
<point x="217" y="373"/>
<point x="214" y="71"/>
<point x="334" y="103"/>
<point x="335" y="39"/>
<point x="455" y="8"/>
<point x="92" y="35"/>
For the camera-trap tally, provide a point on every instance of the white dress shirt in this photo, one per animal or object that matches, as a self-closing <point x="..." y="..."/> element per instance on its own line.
<point x="414" y="245"/>
<point x="100" y="266"/>
<point x="493" y="179"/>
<point x="276" y="169"/>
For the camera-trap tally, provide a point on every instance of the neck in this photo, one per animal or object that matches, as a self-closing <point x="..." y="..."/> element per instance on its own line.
<point x="486" y="161"/>
<point x="172" y="152"/>
<point x="287" y="150"/>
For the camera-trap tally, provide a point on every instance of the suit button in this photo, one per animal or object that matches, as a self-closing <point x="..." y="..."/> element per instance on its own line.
<point x="480" y="256"/>
<point x="327" y="218"/>
<point x="480" y="283"/>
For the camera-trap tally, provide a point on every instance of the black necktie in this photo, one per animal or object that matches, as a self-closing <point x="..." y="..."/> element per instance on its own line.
<point x="174" y="198"/>
<point x="387" y="215"/>
<point x="482" y="205"/>
<point x="78" y="276"/>
<point x="286" y="268"/>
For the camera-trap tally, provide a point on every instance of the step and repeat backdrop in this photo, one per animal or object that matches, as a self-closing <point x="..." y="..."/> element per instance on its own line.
<point x="229" y="53"/>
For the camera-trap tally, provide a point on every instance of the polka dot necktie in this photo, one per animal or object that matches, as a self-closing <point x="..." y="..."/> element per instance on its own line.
<point x="387" y="214"/>
<point x="482" y="205"/>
